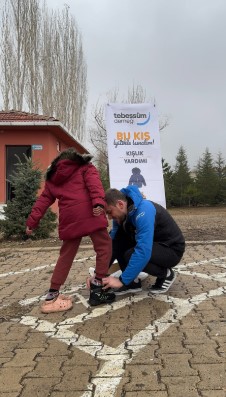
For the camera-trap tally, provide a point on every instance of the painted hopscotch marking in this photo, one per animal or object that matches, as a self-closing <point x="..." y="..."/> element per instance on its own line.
<point x="115" y="358"/>
<point x="36" y="269"/>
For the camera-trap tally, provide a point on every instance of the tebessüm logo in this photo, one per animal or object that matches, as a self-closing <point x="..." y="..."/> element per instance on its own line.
<point x="129" y="118"/>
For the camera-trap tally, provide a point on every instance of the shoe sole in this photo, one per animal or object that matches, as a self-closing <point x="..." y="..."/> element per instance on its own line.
<point x="95" y="303"/>
<point x="159" y="291"/>
<point x="129" y="291"/>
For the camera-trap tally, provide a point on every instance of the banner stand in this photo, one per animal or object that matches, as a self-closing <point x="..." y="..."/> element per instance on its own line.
<point x="134" y="154"/>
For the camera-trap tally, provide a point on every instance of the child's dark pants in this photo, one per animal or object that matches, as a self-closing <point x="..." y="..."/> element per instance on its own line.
<point x="102" y="245"/>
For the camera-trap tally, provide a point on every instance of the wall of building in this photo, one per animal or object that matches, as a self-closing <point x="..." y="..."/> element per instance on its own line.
<point x="45" y="147"/>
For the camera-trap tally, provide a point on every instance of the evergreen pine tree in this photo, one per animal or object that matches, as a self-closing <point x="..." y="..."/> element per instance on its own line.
<point x="206" y="180"/>
<point x="220" y="168"/>
<point x="182" y="180"/>
<point x="168" y="182"/>
<point x="25" y="180"/>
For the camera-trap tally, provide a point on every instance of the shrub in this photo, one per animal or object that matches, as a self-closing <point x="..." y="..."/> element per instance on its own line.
<point x="26" y="181"/>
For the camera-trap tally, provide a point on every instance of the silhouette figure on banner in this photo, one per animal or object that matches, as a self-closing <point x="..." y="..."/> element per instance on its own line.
<point x="137" y="178"/>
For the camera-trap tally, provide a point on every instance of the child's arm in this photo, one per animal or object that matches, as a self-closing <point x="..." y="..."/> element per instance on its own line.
<point x="39" y="209"/>
<point x="94" y="186"/>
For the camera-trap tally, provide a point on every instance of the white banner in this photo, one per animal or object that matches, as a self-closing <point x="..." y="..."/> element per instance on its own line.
<point x="134" y="153"/>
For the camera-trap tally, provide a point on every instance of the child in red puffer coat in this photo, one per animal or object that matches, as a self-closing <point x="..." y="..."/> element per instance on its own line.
<point x="75" y="182"/>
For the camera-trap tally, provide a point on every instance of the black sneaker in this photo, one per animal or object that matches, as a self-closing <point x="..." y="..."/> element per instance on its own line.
<point x="128" y="289"/>
<point x="163" y="284"/>
<point x="99" y="296"/>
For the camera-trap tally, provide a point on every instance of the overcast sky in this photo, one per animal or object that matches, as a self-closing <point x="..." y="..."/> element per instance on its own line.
<point x="175" y="49"/>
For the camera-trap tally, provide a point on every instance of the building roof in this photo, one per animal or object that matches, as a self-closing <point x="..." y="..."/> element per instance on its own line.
<point x="18" y="120"/>
<point x="17" y="115"/>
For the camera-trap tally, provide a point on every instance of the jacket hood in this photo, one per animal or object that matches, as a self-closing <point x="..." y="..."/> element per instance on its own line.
<point x="133" y="193"/>
<point x="68" y="158"/>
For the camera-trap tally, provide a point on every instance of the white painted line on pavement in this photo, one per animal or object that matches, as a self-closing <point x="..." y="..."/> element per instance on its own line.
<point x="178" y="267"/>
<point x="201" y="242"/>
<point x="213" y="261"/>
<point x="214" y="277"/>
<point x="74" y="290"/>
<point x="36" y="269"/>
<point x="113" y="369"/>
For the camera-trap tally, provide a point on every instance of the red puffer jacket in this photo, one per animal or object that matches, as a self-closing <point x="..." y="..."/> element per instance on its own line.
<point x="78" y="189"/>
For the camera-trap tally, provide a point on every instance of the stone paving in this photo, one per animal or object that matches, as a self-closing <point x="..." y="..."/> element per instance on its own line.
<point x="171" y="345"/>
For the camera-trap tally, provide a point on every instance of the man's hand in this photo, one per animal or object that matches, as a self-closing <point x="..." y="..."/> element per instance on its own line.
<point x="111" y="282"/>
<point x="98" y="211"/>
<point x="28" y="231"/>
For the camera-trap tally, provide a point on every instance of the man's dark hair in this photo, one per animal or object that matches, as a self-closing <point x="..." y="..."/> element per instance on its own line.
<point x="113" y="195"/>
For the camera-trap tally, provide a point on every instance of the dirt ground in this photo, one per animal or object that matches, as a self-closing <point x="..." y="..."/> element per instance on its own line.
<point x="201" y="224"/>
<point x="197" y="224"/>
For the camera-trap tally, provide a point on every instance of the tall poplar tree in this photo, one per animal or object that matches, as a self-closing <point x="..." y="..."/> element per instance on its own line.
<point x="42" y="64"/>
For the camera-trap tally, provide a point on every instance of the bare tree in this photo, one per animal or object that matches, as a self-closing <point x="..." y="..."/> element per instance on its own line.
<point x="33" y="60"/>
<point x="136" y="94"/>
<point x="6" y="51"/>
<point x="14" y="51"/>
<point x="43" y="68"/>
<point x="98" y="136"/>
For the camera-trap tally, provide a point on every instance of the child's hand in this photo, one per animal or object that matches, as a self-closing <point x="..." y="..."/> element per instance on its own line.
<point x="89" y="281"/>
<point x="98" y="211"/>
<point x="28" y="231"/>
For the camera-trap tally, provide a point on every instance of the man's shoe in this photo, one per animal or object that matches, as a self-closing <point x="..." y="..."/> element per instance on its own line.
<point x="99" y="296"/>
<point x="141" y="276"/>
<point x="163" y="284"/>
<point x="128" y="289"/>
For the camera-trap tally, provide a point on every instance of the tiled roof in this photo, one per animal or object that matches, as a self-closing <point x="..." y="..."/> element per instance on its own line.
<point x="14" y="115"/>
